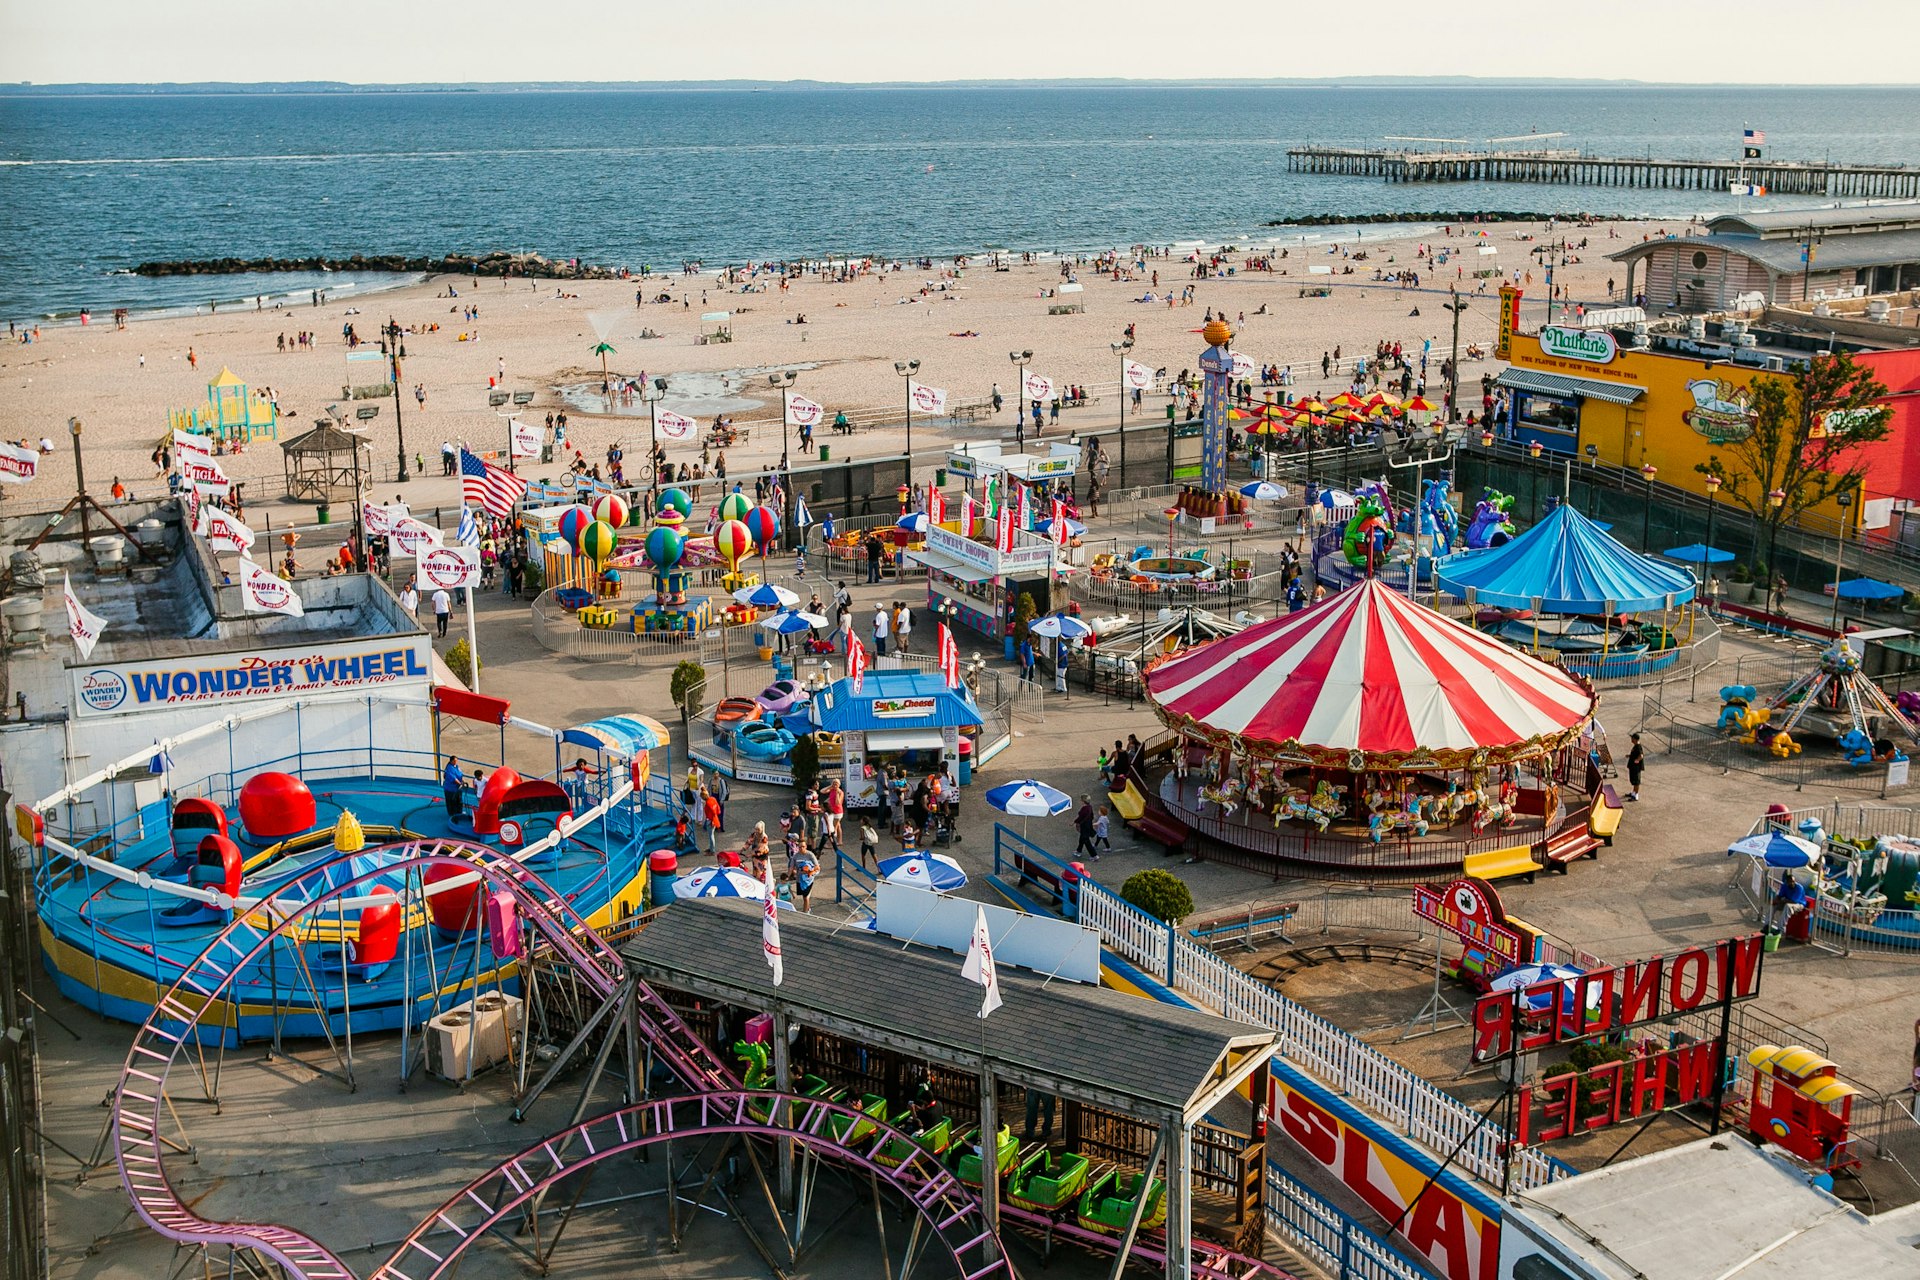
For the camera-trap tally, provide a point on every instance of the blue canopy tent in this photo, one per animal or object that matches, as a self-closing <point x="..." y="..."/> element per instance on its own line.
<point x="1565" y="564"/>
<point x="1868" y="589"/>
<point x="1698" y="553"/>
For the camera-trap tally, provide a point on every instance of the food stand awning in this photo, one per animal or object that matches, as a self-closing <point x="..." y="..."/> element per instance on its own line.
<point x="949" y="565"/>
<point x="1557" y="384"/>
<point x="904" y="739"/>
<point x="898" y="700"/>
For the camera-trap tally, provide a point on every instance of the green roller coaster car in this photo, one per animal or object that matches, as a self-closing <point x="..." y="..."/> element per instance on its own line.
<point x="966" y="1165"/>
<point x="1045" y="1182"/>
<point x="1107" y="1205"/>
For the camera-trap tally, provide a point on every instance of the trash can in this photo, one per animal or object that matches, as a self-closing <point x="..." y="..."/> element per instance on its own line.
<point x="966" y="760"/>
<point x="939" y="477"/>
<point x="325" y="513"/>
<point x="826" y="453"/>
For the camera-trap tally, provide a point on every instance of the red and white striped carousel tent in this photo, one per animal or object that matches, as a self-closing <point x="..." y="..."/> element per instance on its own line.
<point x="1367" y="679"/>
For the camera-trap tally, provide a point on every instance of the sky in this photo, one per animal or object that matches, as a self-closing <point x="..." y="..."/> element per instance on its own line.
<point x="481" y="41"/>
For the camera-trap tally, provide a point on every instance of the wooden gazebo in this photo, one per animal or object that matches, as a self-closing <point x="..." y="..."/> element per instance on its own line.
<point x="325" y="464"/>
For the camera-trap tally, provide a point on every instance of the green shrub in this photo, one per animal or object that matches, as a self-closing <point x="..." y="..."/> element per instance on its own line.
<point x="805" y="759"/>
<point x="1160" y="894"/>
<point x="461" y="662"/>
<point x="1024" y="612"/>
<point x="687" y="686"/>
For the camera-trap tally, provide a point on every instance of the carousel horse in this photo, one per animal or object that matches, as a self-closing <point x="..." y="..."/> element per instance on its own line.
<point x="1491" y="526"/>
<point x="1226" y="795"/>
<point x="1447" y="809"/>
<point x="1297" y="806"/>
<point x="1503" y="810"/>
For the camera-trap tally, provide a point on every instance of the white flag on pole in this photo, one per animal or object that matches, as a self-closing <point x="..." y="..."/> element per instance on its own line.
<point x="449" y="567"/>
<point x="675" y="426"/>
<point x="979" y="966"/>
<point x="261" y="592"/>
<point x="1138" y="376"/>
<point x="526" y="439"/>
<point x="770" y="931"/>
<point x="927" y="399"/>
<point x="84" y="626"/>
<point x="1243" y="366"/>
<point x="802" y="412"/>
<point x="17" y="465"/>
<point x="205" y="475"/>
<point x="187" y="445"/>
<point x="381" y="519"/>
<point x="222" y="530"/>
<point x="410" y="536"/>
<point x="1039" y="387"/>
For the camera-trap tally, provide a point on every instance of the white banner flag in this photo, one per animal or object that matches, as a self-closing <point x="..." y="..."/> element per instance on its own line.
<point x="85" y="627"/>
<point x="449" y="567"/>
<point x="802" y="412"/>
<point x="927" y="399"/>
<point x="261" y="592"/>
<point x="1138" y="376"/>
<point x="770" y="931"/>
<point x="187" y="446"/>
<point x="1243" y="366"/>
<point x="526" y="439"/>
<point x="1039" y="387"/>
<point x="17" y="465"/>
<point x="204" y="474"/>
<point x="675" y="426"/>
<point x="380" y="520"/>
<point x="979" y="966"/>
<point x="222" y="531"/>
<point x="410" y="536"/>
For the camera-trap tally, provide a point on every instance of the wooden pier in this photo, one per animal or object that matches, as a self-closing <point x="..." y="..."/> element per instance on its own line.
<point x="1570" y="168"/>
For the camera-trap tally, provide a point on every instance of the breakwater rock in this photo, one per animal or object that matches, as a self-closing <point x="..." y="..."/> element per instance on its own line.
<point x="492" y="264"/>
<point x="1451" y="216"/>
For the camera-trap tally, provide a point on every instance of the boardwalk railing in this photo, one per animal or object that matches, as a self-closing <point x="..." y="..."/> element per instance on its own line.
<point x="1344" y="1248"/>
<point x="1414" y="1106"/>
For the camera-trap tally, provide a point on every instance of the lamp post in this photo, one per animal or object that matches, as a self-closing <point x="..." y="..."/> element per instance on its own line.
<point x="1647" y="472"/>
<point x="1845" y="500"/>
<point x="1020" y="359"/>
<point x="906" y="369"/>
<point x="651" y="392"/>
<point x="392" y="336"/>
<point x="1533" y="478"/>
<point x="1120" y="349"/>
<point x="1713" y="501"/>
<point x="1453" y="365"/>
<point x="1776" y="499"/>
<point x="782" y="380"/>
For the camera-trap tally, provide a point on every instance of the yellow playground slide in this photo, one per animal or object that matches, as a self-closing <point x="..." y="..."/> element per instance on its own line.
<point x="1127" y="802"/>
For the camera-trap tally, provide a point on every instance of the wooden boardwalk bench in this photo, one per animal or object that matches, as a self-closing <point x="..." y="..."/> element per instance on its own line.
<point x="1570" y="845"/>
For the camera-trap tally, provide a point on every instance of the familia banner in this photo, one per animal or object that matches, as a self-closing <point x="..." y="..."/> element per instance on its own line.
<point x="159" y="684"/>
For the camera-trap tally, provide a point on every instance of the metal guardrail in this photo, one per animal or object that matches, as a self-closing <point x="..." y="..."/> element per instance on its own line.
<point x="1328" y="1237"/>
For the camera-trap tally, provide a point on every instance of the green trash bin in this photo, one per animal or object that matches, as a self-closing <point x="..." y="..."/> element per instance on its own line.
<point x="939" y="477"/>
<point x="325" y="513"/>
<point x="826" y="453"/>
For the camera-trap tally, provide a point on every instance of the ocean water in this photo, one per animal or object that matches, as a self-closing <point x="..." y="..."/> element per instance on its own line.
<point x="90" y="186"/>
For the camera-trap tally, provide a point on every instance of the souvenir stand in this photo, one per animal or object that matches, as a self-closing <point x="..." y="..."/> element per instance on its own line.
<point x="898" y="717"/>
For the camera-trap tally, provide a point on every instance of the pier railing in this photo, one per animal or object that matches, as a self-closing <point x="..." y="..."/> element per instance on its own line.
<point x="1565" y="167"/>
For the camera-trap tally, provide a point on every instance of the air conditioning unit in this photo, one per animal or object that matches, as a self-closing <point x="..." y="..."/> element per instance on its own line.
<point x="1878" y="309"/>
<point x="1776" y="364"/>
<point x="1746" y="340"/>
<point x="1697" y="328"/>
<point x="473" y="1037"/>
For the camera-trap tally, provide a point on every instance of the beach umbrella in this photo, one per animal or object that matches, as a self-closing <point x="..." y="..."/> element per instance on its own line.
<point x="732" y="543"/>
<point x="1530" y="975"/>
<point x="1777" y="849"/>
<point x="935" y="871"/>
<point x="612" y="508"/>
<point x="1345" y="400"/>
<point x="1263" y="491"/>
<point x="598" y="541"/>
<point x="1060" y="626"/>
<point x="914" y="522"/>
<point x="1029" y="799"/>
<point x="767" y="596"/>
<point x="1868" y="589"/>
<point x="1074" y="527"/>
<point x="721" y="882"/>
<point x="788" y="622"/>
<point x="1698" y="553"/>
<point x="1311" y="404"/>
<point x="1331" y="498"/>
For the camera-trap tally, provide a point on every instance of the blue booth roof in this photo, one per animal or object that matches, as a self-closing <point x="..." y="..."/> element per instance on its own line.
<point x="1565" y="564"/>
<point x="840" y="710"/>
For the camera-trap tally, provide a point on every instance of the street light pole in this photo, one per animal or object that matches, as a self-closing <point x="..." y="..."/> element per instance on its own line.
<point x="1120" y="349"/>
<point x="906" y="369"/>
<point x="399" y="422"/>
<point x="1776" y="499"/>
<point x="1713" y="501"/>
<point x="1453" y="364"/>
<point x="650" y="391"/>
<point x="1839" y="553"/>
<point x="783" y="380"/>
<point x="1647" y="472"/>
<point x="1020" y="359"/>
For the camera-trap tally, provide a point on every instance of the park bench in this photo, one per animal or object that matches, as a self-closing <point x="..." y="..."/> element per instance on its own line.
<point x="1503" y="864"/>
<point x="1605" y="818"/>
<point x="1571" y="844"/>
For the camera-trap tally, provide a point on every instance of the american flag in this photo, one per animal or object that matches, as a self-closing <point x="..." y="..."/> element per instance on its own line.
<point x="1755" y="137"/>
<point x="492" y="487"/>
<point x="949" y="657"/>
<point x="469" y="533"/>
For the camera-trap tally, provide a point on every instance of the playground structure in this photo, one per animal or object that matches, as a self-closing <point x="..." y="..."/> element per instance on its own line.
<point x="1371" y="732"/>
<point x="234" y="415"/>
<point x="815" y="1124"/>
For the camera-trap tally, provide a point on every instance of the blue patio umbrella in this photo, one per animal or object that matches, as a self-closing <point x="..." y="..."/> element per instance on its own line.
<point x="1698" y="553"/>
<point x="720" y="882"/>
<point x="1263" y="491"/>
<point x="935" y="871"/>
<point x="790" y="622"/>
<point x="1332" y="498"/>
<point x="1868" y="589"/>
<point x="1777" y="849"/>
<point x="1029" y="799"/>
<point x="1074" y="527"/>
<point x="912" y="522"/>
<point x="1523" y="976"/>
<point x="767" y="596"/>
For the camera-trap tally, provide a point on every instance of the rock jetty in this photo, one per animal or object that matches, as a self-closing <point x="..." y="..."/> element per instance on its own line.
<point x="467" y="264"/>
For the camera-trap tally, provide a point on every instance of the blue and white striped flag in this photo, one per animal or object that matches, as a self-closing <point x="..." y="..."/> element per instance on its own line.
<point x="469" y="533"/>
<point x="801" y="516"/>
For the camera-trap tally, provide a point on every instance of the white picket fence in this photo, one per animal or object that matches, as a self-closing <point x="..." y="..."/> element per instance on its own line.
<point x="1414" y="1106"/>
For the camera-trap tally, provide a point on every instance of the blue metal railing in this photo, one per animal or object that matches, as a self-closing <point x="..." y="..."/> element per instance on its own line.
<point x="1330" y="1237"/>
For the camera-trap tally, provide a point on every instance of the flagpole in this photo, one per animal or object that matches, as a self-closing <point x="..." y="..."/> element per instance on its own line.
<point x="473" y="643"/>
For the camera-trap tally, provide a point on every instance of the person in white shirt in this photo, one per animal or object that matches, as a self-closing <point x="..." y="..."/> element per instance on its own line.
<point x="410" y="600"/>
<point x="904" y="627"/>
<point x="442" y="610"/>
<point x="881" y="625"/>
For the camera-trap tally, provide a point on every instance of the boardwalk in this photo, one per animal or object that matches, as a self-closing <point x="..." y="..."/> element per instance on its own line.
<point x="1574" y="169"/>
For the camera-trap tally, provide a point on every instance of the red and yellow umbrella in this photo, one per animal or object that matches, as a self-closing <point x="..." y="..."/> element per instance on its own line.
<point x="1345" y="400"/>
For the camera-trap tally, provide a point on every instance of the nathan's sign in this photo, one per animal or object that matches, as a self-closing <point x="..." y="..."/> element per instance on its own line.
<point x="1595" y="346"/>
<point x="1509" y="322"/>
<point x="1564" y="1010"/>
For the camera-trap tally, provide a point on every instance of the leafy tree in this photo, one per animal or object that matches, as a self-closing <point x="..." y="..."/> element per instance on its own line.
<point x="804" y="759"/>
<point x="461" y="662"/>
<point x="1024" y="612"/>
<point x="1807" y="430"/>
<point x="687" y="685"/>
<point x="1160" y="894"/>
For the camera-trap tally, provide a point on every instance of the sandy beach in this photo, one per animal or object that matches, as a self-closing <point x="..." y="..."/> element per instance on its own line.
<point x="960" y="326"/>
